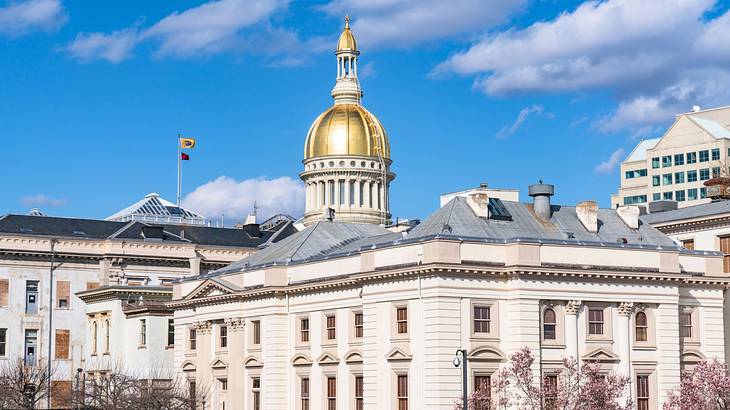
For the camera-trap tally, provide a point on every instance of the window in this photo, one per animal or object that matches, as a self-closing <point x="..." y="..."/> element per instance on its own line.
<point x="256" y="332"/>
<point x="402" y="392"/>
<point x="679" y="177"/>
<point x="223" y="336"/>
<point x="63" y="293"/>
<point x="551" y="391"/>
<point x="691" y="157"/>
<point x="692" y="194"/>
<point x="655" y="180"/>
<point x="595" y="321"/>
<point x="549" y="324"/>
<point x="679" y="196"/>
<point x="636" y="199"/>
<point x="192" y="339"/>
<point x="678" y="159"/>
<point x="704" y="156"/>
<point x="642" y="392"/>
<point x="359" y="388"/>
<point x="668" y="195"/>
<point x="304" y="330"/>
<point x="331" y="327"/>
<point x="688" y="244"/>
<point x="655" y="162"/>
<point x="401" y="320"/>
<point x="703" y="193"/>
<point x="62" y="343"/>
<point x="692" y="176"/>
<point x="4" y="287"/>
<point x="31" y="296"/>
<point x="482" y="320"/>
<point x="656" y="196"/>
<point x="716" y="154"/>
<point x="94" y="337"/>
<point x="341" y="186"/>
<point x="642" y="327"/>
<point x="704" y="174"/>
<point x="666" y="161"/>
<point x="143" y="332"/>
<point x="358" y="325"/>
<point x="331" y="393"/>
<point x="725" y="249"/>
<point x="351" y="186"/>
<point x="715" y="172"/>
<point x="31" y="344"/>
<point x="256" y="392"/>
<point x="483" y="383"/>
<point x="667" y="179"/>
<point x="170" y="332"/>
<point x="635" y="173"/>
<point x="304" y="393"/>
<point x="107" y="335"/>
<point x="685" y="324"/>
<point x="3" y="342"/>
<point x="192" y="390"/>
<point x="223" y="383"/>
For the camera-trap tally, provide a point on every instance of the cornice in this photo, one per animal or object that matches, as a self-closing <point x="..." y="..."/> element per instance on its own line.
<point x="693" y="225"/>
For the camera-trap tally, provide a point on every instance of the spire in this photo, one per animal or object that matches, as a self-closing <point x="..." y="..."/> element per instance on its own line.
<point x="347" y="88"/>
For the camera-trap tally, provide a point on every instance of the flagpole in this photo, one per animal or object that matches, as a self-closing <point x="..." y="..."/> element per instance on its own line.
<point x="179" y="170"/>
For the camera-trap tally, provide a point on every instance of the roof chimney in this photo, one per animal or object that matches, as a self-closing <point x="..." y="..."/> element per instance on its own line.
<point x="630" y="215"/>
<point x="478" y="202"/>
<point x="587" y="212"/>
<point x="541" y="194"/>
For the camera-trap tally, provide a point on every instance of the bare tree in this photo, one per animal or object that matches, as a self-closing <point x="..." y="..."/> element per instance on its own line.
<point x="22" y="385"/>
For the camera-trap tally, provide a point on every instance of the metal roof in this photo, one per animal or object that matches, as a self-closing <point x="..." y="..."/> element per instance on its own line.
<point x="690" y="212"/>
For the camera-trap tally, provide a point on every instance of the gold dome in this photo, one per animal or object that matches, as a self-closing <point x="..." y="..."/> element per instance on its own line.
<point x="347" y="39"/>
<point x="346" y="129"/>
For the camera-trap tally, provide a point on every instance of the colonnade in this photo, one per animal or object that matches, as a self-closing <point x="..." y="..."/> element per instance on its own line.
<point x="337" y="193"/>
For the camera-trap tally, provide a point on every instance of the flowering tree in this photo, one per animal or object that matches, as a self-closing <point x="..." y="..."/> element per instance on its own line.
<point x="705" y="388"/>
<point x="574" y="387"/>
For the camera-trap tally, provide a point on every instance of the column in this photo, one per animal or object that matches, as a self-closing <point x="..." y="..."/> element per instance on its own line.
<point x="347" y="192"/>
<point x="326" y="193"/>
<point x="337" y="193"/>
<point x="622" y="336"/>
<point x="572" y="309"/>
<point x="366" y="193"/>
<point x="203" y="353"/>
<point x="356" y="67"/>
<point x="236" y="348"/>
<point x="357" y="187"/>
<point x="381" y="195"/>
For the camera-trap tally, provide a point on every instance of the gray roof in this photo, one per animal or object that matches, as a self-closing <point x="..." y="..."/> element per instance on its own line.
<point x="457" y="220"/>
<point x="690" y="212"/>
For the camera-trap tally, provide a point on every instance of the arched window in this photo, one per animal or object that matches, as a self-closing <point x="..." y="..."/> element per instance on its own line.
<point x="93" y="337"/>
<point x="107" y="336"/>
<point x="549" y="324"/>
<point x="642" y="334"/>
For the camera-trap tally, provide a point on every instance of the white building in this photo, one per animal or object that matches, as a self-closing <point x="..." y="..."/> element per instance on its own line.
<point x="673" y="167"/>
<point x="347" y="314"/>
<point x="45" y="261"/>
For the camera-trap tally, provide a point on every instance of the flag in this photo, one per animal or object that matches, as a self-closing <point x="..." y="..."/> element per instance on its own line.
<point x="184" y="156"/>
<point x="187" y="143"/>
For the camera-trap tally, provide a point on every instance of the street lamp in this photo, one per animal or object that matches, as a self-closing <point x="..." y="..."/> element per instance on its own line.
<point x="464" y="375"/>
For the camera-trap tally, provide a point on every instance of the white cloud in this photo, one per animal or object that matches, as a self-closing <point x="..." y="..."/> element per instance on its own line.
<point x="607" y="166"/>
<point x="235" y="199"/>
<point x="206" y="29"/>
<point x="113" y="47"/>
<point x="524" y="114"/>
<point x="41" y="200"/>
<point x="21" y="17"/>
<point x="656" y="56"/>
<point x="367" y="70"/>
<point x="402" y="23"/>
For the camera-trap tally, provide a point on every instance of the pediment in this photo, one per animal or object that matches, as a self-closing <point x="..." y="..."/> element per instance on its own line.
<point x="252" y="361"/>
<point x="209" y="288"/>
<point x="487" y="354"/>
<point x="328" y="358"/>
<point x="353" y="356"/>
<point x="398" y="354"/>
<point x="188" y="366"/>
<point x="301" y="359"/>
<point x="217" y="363"/>
<point x="692" y="356"/>
<point x="601" y="355"/>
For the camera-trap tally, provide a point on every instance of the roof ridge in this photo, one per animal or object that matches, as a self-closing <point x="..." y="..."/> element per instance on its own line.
<point x="316" y="225"/>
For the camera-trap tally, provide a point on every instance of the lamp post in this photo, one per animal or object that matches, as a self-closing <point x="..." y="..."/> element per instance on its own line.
<point x="464" y="375"/>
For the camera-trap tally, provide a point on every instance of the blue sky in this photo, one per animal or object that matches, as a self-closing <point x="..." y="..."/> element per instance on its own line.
<point x="93" y="94"/>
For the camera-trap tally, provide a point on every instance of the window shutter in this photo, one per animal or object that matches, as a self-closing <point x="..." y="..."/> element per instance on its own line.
<point x="62" y="343"/>
<point x="4" y="285"/>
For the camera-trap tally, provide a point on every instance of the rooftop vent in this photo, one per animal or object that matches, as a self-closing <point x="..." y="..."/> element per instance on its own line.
<point x="661" y="206"/>
<point x="541" y="194"/>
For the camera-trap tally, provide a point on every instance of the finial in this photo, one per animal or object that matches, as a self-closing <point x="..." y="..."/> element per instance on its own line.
<point x="347" y="21"/>
<point x="540" y="181"/>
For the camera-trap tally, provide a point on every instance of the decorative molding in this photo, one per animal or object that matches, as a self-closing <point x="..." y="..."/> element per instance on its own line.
<point x="218" y="363"/>
<point x="572" y="307"/>
<point x="486" y="354"/>
<point x="601" y="355"/>
<point x="398" y="354"/>
<point x="188" y="366"/>
<point x="235" y="323"/>
<point x="328" y="359"/>
<point x="353" y="357"/>
<point x="252" y="361"/>
<point x="625" y="308"/>
<point x="203" y="327"/>
<point x="301" y="359"/>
